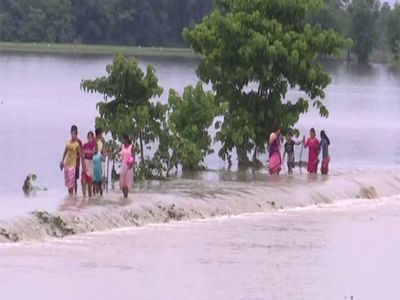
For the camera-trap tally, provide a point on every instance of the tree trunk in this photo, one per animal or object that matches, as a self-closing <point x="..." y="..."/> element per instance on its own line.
<point x="243" y="160"/>
<point x="363" y="58"/>
<point x="141" y="147"/>
<point x="107" y="173"/>
<point x="255" y="155"/>
<point x="348" y="56"/>
<point x="113" y="176"/>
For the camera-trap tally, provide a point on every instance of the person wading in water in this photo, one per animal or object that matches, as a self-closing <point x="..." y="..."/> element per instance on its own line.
<point x="314" y="149"/>
<point x="325" y="142"/>
<point x="275" y="160"/>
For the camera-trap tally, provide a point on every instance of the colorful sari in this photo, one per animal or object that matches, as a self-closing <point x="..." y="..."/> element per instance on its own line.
<point x="325" y="156"/>
<point x="97" y="168"/>
<point x="314" y="149"/>
<point x="325" y="166"/>
<point x="87" y="173"/>
<point x="126" y="174"/>
<point x="69" y="176"/>
<point x="275" y="160"/>
<point x="70" y="163"/>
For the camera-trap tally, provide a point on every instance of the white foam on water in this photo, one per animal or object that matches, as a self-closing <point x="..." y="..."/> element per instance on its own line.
<point x="322" y="252"/>
<point x="186" y="200"/>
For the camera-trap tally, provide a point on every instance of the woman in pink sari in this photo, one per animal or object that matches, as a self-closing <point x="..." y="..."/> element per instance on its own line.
<point x="127" y="164"/>
<point x="275" y="160"/>
<point x="314" y="148"/>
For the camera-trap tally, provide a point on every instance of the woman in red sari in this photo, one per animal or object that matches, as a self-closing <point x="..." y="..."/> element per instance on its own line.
<point x="314" y="148"/>
<point x="275" y="160"/>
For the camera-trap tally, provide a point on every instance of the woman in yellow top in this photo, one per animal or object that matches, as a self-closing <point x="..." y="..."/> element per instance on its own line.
<point x="68" y="163"/>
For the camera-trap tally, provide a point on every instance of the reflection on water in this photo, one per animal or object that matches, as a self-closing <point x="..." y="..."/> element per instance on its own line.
<point x="41" y="98"/>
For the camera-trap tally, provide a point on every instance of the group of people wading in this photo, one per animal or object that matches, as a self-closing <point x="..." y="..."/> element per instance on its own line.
<point x="314" y="149"/>
<point x="90" y="156"/>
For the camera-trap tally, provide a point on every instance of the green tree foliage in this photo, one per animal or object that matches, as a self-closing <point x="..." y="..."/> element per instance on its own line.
<point x="184" y="139"/>
<point x="252" y="52"/>
<point x="178" y="132"/>
<point x="160" y="22"/>
<point x="331" y="16"/>
<point x="369" y="24"/>
<point x="10" y="16"/>
<point x="363" y="30"/>
<point x="393" y="29"/>
<point x="189" y="119"/>
<point x="127" y="107"/>
<point x="36" y="21"/>
<point x="124" y="22"/>
<point x="381" y="27"/>
<point x="93" y="20"/>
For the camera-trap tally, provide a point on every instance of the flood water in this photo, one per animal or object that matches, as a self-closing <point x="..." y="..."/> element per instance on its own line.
<point x="241" y="235"/>
<point x="40" y="99"/>
<point x="333" y="252"/>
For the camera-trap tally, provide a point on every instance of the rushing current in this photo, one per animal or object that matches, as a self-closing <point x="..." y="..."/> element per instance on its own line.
<point x="220" y="234"/>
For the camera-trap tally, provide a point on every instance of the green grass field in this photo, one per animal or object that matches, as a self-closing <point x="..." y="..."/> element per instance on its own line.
<point x="377" y="56"/>
<point x="94" y="49"/>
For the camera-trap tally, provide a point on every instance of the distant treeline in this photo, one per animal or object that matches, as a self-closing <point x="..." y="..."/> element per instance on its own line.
<point x="120" y="22"/>
<point x="369" y="23"/>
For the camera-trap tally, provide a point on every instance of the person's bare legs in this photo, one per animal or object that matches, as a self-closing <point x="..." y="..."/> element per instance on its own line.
<point x="125" y="191"/>
<point x="90" y="187"/>
<point x="76" y="186"/>
<point x="83" y="189"/>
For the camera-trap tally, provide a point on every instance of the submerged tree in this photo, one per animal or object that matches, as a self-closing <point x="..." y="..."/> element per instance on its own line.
<point x="189" y="119"/>
<point x="331" y="16"/>
<point x="178" y="132"/>
<point x="127" y="107"/>
<point x="394" y="32"/>
<point x="363" y="29"/>
<point x="253" y="52"/>
<point x="185" y="139"/>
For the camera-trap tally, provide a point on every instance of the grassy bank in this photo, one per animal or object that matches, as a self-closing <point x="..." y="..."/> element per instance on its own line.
<point x="93" y="49"/>
<point x="377" y="56"/>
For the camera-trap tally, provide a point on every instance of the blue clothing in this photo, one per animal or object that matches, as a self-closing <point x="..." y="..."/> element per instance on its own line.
<point x="97" y="171"/>
<point x="324" y="146"/>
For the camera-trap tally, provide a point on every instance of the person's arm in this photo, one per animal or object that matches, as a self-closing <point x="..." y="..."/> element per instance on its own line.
<point x="133" y="156"/>
<point x="63" y="158"/>
<point x="299" y="143"/>
<point x="306" y="144"/>
<point x="89" y="151"/>
<point x="321" y="147"/>
<point x="272" y="138"/>
<point x="317" y="149"/>
<point x="82" y="157"/>
<point x="103" y="152"/>
<point x="117" y="151"/>
<point x="80" y="149"/>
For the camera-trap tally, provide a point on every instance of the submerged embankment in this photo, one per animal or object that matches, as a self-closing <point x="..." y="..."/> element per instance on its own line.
<point x="189" y="199"/>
